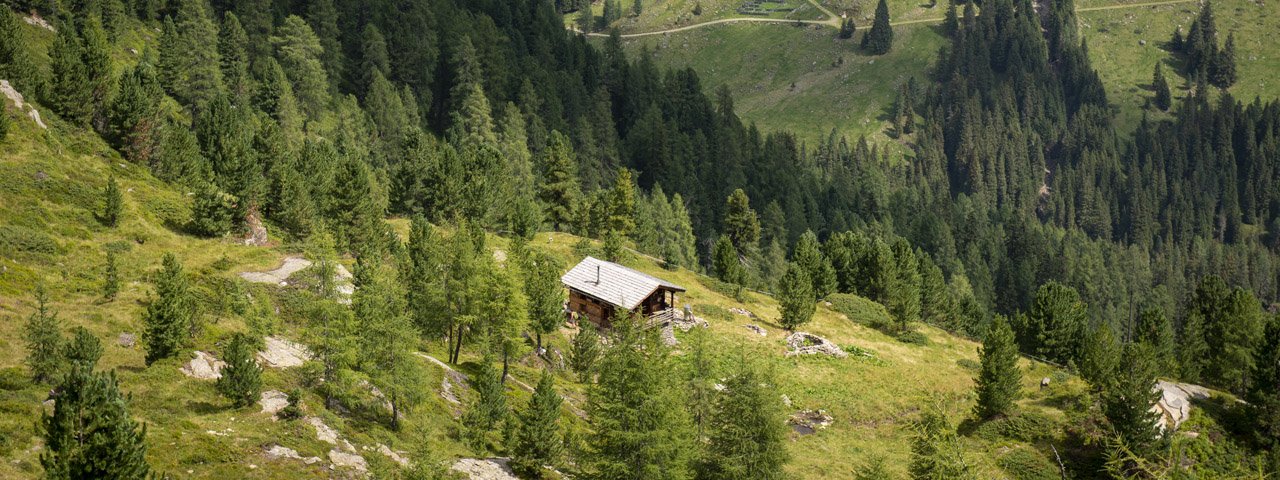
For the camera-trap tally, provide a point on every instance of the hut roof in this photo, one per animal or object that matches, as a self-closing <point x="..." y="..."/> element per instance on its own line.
<point x="613" y="283"/>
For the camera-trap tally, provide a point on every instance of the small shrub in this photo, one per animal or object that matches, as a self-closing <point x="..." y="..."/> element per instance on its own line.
<point x="14" y="378"/>
<point x="1026" y="463"/>
<point x="860" y="310"/>
<point x="1026" y="426"/>
<point x="913" y="337"/>
<point x="294" y="408"/>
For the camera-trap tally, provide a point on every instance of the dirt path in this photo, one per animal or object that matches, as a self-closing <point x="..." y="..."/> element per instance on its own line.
<point x="523" y="386"/>
<point x="834" y="22"/>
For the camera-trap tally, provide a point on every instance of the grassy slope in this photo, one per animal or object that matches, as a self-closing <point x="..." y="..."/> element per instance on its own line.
<point x="760" y="63"/>
<point x="1125" y="65"/>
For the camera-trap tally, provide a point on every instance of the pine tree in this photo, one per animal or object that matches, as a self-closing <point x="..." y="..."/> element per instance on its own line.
<point x="936" y="453"/>
<point x="585" y="351"/>
<point x="1056" y="323"/>
<point x="559" y="187"/>
<point x="15" y="60"/>
<point x="639" y="428"/>
<point x="538" y="439"/>
<point x="637" y="8"/>
<point x="241" y="379"/>
<point x="43" y="339"/>
<point x="879" y="39"/>
<point x="1099" y="356"/>
<point x="169" y="315"/>
<point x="83" y="350"/>
<point x="613" y="246"/>
<point x="133" y="117"/>
<point x="490" y="407"/>
<point x="212" y="212"/>
<point x="1223" y="70"/>
<point x="951" y="21"/>
<point x="586" y="20"/>
<point x="111" y="278"/>
<point x="809" y="256"/>
<point x="795" y="296"/>
<point x="70" y="92"/>
<point x="903" y="288"/>
<point x="1129" y="396"/>
<point x="847" y="28"/>
<point x="90" y="433"/>
<point x="622" y="204"/>
<point x="112" y="202"/>
<point x="747" y="430"/>
<point x="1164" y="97"/>
<point x="741" y="224"/>
<point x="169" y="63"/>
<point x="999" y="382"/>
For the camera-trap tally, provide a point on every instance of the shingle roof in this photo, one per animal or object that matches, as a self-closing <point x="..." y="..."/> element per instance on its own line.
<point x="616" y="284"/>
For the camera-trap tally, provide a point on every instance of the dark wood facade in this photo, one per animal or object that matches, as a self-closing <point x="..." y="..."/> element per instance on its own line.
<point x="601" y="312"/>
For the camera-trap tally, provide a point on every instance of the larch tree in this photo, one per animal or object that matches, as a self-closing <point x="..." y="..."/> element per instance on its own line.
<point x="999" y="382"/>
<point x="795" y="296"/>
<point x="387" y="340"/>
<point x="748" y="431"/>
<point x="133" y="116"/>
<point x="111" y="277"/>
<point x="43" y="339"/>
<point x="170" y="313"/>
<point x="489" y="408"/>
<point x="538" y="438"/>
<point x="544" y="294"/>
<point x="585" y="351"/>
<point x="90" y="433"/>
<point x="1264" y="394"/>
<point x="622" y="204"/>
<point x="241" y="379"/>
<point x="808" y="254"/>
<point x="299" y="52"/>
<point x="936" y="452"/>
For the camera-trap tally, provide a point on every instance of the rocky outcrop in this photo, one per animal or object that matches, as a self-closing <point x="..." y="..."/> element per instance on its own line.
<point x="281" y="353"/>
<point x="485" y="468"/>
<point x="20" y="102"/>
<point x="806" y="422"/>
<point x="127" y="340"/>
<point x="276" y="452"/>
<point x="1175" y="402"/>
<point x="204" y="366"/>
<point x="273" y="401"/>
<point x="803" y="343"/>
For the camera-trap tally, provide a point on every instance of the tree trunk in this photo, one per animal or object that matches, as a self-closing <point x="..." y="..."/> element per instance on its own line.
<point x="457" y="347"/>
<point x="505" y="363"/>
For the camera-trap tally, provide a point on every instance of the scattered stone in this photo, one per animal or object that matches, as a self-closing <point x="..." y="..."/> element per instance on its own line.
<point x="499" y="256"/>
<point x="272" y="402"/>
<point x="758" y="329"/>
<point x="324" y="433"/>
<point x="485" y="468"/>
<point x="803" y="343"/>
<point x="786" y="400"/>
<point x="280" y="353"/>
<point x="347" y="459"/>
<point x="204" y="366"/>
<point x="806" y="422"/>
<point x="41" y="176"/>
<point x="18" y="101"/>
<point x="127" y="340"/>
<point x="1044" y="382"/>
<point x="742" y="311"/>
<point x="398" y="457"/>
<point x="1142" y="42"/>
<point x="669" y="335"/>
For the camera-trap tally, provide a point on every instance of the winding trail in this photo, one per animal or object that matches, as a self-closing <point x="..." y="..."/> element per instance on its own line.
<point x="832" y="20"/>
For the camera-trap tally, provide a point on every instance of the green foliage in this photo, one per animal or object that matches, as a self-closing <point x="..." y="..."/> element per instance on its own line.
<point x="903" y="288"/>
<point x="90" y="433"/>
<point x="741" y="224"/>
<point x="233" y="48"/>
<point x="911" y="337"/>
<point x="1155" y="330"/>
<point x="1055" y="324"/>
<point x="241" y="379"/>
<point x="1099" y="356"/>
<point x="847" y="28"/>
<point x="212" y="212"/>
<point x="585" y="351"/>
<point x="387" y="341"/>
<point x="16" y="64"/>
<point x="1223" y="326"/>
<point x="112" y="203"/>
<point x="83" y="350"/>
<point x="133" y="116"/>
<point x="1025" y="425"/>
<point x="189" y="55"/>
<point x="639" y="428"/>
<point x="43" y="340"/>
<point x="1025" y="463"/>
<point x="808" y="255"/>
<point x="559" y="187"/>
<point x="747" y="437"/>
<point x="1265" y="392"/>
<point x="875" y="468"/>
<point x="538" y="438"/>
<point x="489" y="408"/>
<point x="795" y="296"/>
<point x="544" y="293"/>
<point x="69" y="92"/>
<point x="936" y="453"/>
<point x="170" y="314"/>
<point x="299" y="52"/>
<point x="879" y="39"/>
<point x="999" y="382"/>
<point x="1128" y="396"/>
<point x="1164" y="97"/>
<point x="622" y="204"/>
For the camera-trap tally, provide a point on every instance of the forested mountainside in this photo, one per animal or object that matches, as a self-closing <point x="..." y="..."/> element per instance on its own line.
<point x="1016" y="208"/>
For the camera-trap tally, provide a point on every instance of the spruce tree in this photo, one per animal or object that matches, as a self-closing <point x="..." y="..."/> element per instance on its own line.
<point x="112" y="202"/>
<point x="999" y="382"/>
<point x="700" y="381"/>
<point x="43" y="340"/>
<point x="196" y="66"/>
<point x="373" y="56"/>
<point x="795" y="297"/>
<point x="544" y="294"/>
<point x="559" y="187"/>
<point x="96" y="51"/>
<point x="936" y="453"/>
<point x="585" y="351"/>
<point x="1129" y="396"/>
<point x="299" y="51"/>
<point x="169" y="315"/>
<point x="748" y="432"/>
<point x="622" y="204"/>
<point x="1154" y="329"/>
<point x="808" y="254"/>
<point x="472" y="117"/>
<point x="1223" y="73"/>
<point x="241" y="379"/>
<point x="90" y="433"/>
<point x="111" y="278"/>
<point x="233" y="48"/>
<point x="1099" y="356"/>
<point x="538" y="439"/>
<point x="15" y="59"/>
<point x="879" y="39"/>
<point x="903" y="286"/>
<point x="83" y="350"/>
<point x="1164" y="97"/>
<point x="847" y="28"/>
<point x="212" y="212"/>
<point x="637" y="8"/>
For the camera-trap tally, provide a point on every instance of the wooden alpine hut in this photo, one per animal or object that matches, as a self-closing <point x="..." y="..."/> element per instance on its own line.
<point x="598" y="288"/>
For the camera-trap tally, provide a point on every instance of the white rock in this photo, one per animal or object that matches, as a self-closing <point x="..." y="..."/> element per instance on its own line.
<point x="485" y="468"/>
<point x="347" y="460"/>
<point x="273" y="401"/>
<point x="324" y="432"/>
<point x="395" y="456"/>
<point x="204" y="366"/>
<point x="280" y="353"/>
<point x="278" y="452"/>
<point x="18" y="101"/>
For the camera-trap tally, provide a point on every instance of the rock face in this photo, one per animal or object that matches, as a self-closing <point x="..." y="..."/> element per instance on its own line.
<point x="257" y="234"/>
<point x="280" y="353"/>
<point x="279" y="276"/>
<point x="273" y="401"/>
<point x="802" y="343"/>
<point x="324" y="432"/>
<point x="485" y="468"/>
<point x="204" y="367"/>
<point x="347" y="459"/>
<point x="1175" y="402"/>
<point x="398" y="457"/>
